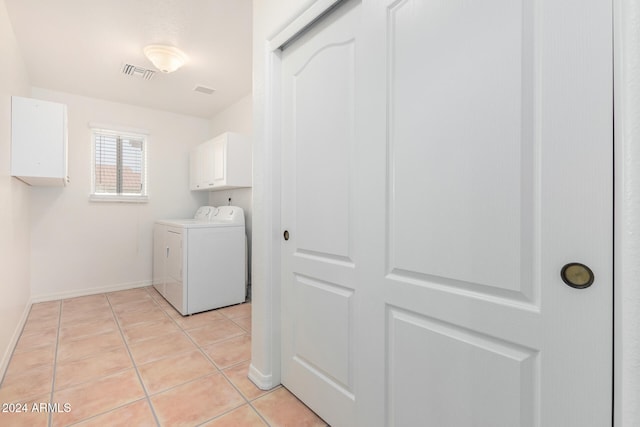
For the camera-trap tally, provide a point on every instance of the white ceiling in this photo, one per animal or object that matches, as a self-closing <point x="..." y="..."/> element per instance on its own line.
<point x="80" y="46"/>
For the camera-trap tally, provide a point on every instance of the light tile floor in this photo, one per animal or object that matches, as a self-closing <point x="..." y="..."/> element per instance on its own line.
<point x="128" y="358"/>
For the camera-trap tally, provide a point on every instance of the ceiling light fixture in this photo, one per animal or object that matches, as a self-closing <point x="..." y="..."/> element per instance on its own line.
<point x="165" y="58"/>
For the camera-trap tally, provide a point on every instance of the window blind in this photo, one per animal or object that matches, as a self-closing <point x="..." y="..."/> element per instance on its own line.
<point x="119" y="167"/>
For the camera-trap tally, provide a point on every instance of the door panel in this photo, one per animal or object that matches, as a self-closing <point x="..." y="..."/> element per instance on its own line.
<point x="461" y="138"/>
<point x="442" y="161"/>
<point x="478" y="143"/>
<point x="317" y="192"/>
<point x="452" y="364"/>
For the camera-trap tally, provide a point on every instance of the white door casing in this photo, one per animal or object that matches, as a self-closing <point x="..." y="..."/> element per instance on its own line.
<point x="480" y="165"/>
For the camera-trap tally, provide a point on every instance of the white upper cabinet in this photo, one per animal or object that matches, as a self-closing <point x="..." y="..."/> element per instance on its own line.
<point x="221" y="163"/>
<point x="39" y="141"/>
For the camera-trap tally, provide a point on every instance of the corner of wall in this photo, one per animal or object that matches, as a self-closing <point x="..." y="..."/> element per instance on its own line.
<point x="15" y="196"/>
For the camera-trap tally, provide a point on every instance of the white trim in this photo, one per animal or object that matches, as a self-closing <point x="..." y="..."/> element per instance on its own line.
<point x="626" y="331"/>
<point x="88" y="291"/>
<point x="118" y="198"/>
<point x="262" y="381"/>
<point x="8" y="353"/>
<point x="119" y="129"/>
<point x="266" y="343"/>
<point x="301" y="22"/>
<point x="143" y="197"/>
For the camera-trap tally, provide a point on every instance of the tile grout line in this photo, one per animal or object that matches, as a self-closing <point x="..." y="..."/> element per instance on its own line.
<point x="135" y="366"/>
<point x="188" y="337"/>
<point x="95" y="415"/>
<point x="220" y="371"/>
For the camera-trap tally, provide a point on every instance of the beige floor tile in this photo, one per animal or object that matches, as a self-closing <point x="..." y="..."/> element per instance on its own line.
<point x="32" y="339"/>
<point x="19" y="386"/>
<point x="238" y="376"/>
<point x="70" y="317"/>
<point x="77" y="330"/>
<point x="27" y="359"/>
<point x="160" y="347"/>
<point x="240" y="310"/>
<point x="41" y="328"/>
<point x="171" y="312"/>
<point x="136" y="414"/>
<point x="199" y="320"/>
<point x="85" y="304"/>
<point x="47" y="317"/>
<point x="244" y="323"/>
<point x="171" y="371"/>
<point x="218" y="330"/>
<point x="162" y="302"/>
<point x="141" y="305"/>
<point x="244" y="416"/>
<point x="25" y="414"/>
<point x="281" y="408"/>
<point x="230" y="352"/>
<point x="96" y="366"/>
<point x="92" y="344"/>
<point x="130" y="318"/>
<point x="196" y="402"/>
<point x="144" y="331"/>
<point x="46" y="307"/>
<point x="84" y="301"/>
<point x="128" y="296"/>
<point x="96" y="397"/>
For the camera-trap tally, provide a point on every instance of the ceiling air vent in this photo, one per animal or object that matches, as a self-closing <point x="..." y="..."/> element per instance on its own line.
<point x="204" y="89"/>
<point x="132" y="70"/>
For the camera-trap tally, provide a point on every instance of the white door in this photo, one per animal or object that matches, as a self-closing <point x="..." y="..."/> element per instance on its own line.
<point x="440" y="168"/>
<point x="486" y="148"/>
<point x="318" y="270"/>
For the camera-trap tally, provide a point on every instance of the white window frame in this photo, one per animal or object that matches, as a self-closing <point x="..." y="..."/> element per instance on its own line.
<point x="143" y="197"/>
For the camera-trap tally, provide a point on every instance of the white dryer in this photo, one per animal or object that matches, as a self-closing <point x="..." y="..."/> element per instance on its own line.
<point x="199" y="263"/>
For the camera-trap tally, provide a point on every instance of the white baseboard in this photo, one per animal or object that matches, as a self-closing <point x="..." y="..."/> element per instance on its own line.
<point x="88" y="291"/>
<point x="6" y="357"/>
<point x="262" y="381"/>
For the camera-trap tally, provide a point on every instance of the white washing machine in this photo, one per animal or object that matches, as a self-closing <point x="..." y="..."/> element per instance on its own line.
<point x="199" y="263"/>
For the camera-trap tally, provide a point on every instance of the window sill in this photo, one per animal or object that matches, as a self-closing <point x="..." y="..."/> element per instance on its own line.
<point x="118" y="198"/>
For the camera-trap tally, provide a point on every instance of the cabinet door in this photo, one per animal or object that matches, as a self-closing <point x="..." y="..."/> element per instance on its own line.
<point x="194" y="168"/>
<point x="208" y="156"/>
<point x="220" y="161"/>
<point x="38" y="141"/>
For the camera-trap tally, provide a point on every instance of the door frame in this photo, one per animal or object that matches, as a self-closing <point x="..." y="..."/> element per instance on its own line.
<point x="266" y="358"/>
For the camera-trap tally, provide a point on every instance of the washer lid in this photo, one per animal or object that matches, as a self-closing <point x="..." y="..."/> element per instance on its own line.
<point x="204" y="213"/>
<point x="229" y="215"/>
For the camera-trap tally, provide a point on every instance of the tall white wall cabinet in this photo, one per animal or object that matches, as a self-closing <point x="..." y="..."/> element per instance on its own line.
<point x="39" y="141"/>
<point x="221" y="163"/>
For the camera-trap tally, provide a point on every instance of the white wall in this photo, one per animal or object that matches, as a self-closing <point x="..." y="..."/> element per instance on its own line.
<point x="14" y="200"/>
<point x="627" y="219"/>
<point x="269" y="18"/>
<point x="236" y="118"/>
<point x="79" y="247"/>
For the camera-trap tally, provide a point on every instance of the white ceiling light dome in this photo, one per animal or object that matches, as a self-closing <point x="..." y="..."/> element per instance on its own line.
<point x="165" y="58"/>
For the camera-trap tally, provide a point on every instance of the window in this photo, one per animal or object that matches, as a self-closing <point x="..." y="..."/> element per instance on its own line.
<point x="119" y="161"/>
